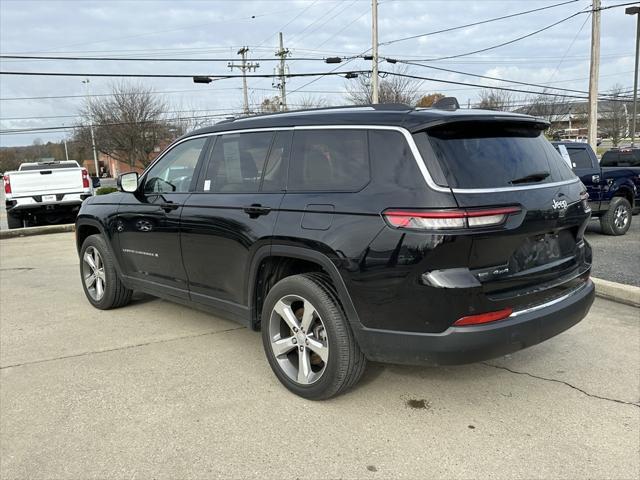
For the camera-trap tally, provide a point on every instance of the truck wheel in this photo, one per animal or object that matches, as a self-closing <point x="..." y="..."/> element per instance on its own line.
<point x="13" y="221"/>
<point x="307" y="338"/>
<point x="102" y="285"/>
<point x="617" y="220"/>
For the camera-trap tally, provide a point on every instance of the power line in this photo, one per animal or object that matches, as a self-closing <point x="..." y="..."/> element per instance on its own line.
<point x="495" y="19"/>
<point x="169" y="75"/>
<point x="148" y="59"/>
<point x="508" y="89"/>
<point x="528" y="84"/>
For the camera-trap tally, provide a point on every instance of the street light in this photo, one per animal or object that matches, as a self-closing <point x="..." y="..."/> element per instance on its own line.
<point x="635" y="11"/>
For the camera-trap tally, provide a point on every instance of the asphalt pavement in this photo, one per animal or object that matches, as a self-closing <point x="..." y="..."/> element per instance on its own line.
<point x="616" y="259"/>
<point x="158" y="390"/>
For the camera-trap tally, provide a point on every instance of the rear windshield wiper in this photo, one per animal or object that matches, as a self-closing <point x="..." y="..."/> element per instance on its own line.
<point x="533" y="177"/>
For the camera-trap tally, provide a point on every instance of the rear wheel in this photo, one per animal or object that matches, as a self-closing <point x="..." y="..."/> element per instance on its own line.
<point x="102" y="285"/>
<point x="617" y="220"/>
<point x="307" y="338"/>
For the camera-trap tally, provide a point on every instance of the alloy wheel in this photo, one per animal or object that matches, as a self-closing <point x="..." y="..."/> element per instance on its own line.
<point x="620" y="217"/>
<point x="93" y="273"/>
<point x="298" y="339"/>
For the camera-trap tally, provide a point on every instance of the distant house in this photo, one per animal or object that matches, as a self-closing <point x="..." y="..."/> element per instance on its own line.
<point x="113" y="166"/>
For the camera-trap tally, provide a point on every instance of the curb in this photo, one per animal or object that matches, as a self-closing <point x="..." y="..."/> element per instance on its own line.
<point x="618" y="292"/>
<point x="25" y="232"/>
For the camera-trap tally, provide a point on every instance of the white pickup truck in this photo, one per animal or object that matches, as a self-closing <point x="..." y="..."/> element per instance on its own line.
<point x="45" y="192"/>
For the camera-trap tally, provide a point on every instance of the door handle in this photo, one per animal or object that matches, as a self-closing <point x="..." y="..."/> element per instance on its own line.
<point x="255" y="210"/>
<point x="169" y="206"/>
<point x="595" y="178"/>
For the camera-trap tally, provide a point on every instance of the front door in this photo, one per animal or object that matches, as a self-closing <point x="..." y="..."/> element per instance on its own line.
<point x="231" y="214"/>
<point x="148" y="223"/>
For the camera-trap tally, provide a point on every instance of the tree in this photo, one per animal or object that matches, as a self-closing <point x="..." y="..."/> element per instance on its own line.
<point x="309" y="101"/>
<point x="493" y="99"/>
<point x="128" y="125"/>
<point x="391" y="89"/>
<point x="615" y="119"/>
<point x="553" y="109"/>
<point x="429" y="99"/>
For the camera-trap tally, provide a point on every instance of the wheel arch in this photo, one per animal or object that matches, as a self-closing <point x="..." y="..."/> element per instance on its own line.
<point x="86" y="227"/>
<point x="312" y="257"/>
<point x="625" y="191"/>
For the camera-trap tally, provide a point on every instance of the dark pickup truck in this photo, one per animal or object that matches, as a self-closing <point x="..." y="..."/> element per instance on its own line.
<point x="613" y="184"/>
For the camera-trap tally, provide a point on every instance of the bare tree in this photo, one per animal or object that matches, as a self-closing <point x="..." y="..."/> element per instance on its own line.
<point x="493" y="99"/>
<point x="391" y="89"/>
<point x="128" y="125"/>
<point x="309" y="101"/>
<point x="269" y="105"/>
<point x="614" y="121"/>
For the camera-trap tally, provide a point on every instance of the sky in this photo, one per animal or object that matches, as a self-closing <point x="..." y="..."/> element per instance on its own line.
<point x="313" y="29"/>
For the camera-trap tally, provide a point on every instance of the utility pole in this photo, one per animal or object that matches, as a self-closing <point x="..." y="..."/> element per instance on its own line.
<point x="244" y="67"/>
<point x="374" y="51"/>
<point x="93" y="138"/>
<point x="593" y="75"/>
<point x="283" y="53"/>
<point x="66" y="152"/>
<point x="635" y="11"/>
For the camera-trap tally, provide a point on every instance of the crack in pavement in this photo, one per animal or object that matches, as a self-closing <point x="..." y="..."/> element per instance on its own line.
<point x="623" y="402"/>
<point x="126" y="347"/>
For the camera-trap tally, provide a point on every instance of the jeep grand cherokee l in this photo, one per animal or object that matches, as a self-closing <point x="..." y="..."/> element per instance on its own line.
<point x="385" y="233"/>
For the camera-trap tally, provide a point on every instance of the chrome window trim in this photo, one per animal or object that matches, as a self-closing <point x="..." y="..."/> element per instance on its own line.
<point x="408" y="137"/>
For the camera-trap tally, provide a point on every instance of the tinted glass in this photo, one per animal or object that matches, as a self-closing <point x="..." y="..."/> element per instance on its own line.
<point x="237" y="162"/>
<point x="325" y="160"/>
<point x="52" y="166"/>
<point x="609" y="159"/>
<point x="174" y="171"/>
<point x="579" y="158"/>
<point x="490" y="155"/>
<point x="275" y="172"/>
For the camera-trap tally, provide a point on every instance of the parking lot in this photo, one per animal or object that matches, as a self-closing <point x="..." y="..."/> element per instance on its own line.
<point x="157" y="390"/>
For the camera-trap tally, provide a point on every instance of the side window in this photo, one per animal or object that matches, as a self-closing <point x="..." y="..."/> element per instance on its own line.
<point x="275" y="172"/>
<point x="237" y="162"/>
<point x="609" y="159"/>
<point x="579" y="158"/>
<point x="174" y="171"/>
<point x="326" y="160"/>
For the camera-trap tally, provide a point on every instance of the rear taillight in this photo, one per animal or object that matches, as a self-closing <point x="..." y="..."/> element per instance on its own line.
<point x="483" y="318"/>
<point x="7" y="184"/>
<point x="448" y="219"/>
<point x="85" y="178"/>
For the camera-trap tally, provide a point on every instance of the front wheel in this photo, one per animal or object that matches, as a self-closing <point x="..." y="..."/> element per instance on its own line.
<point x="617" y="220"/>
<point x="307" y="339"/>
<point x="102" y="285"/>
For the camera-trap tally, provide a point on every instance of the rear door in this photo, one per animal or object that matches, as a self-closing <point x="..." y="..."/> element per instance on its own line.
<point x="232" y="214"/>
<point x="586" y="167"/>
<point x="539" y="251"/>
<point x="148" y="221"/>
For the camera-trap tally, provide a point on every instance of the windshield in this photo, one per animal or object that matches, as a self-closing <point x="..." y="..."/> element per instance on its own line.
<point x="493" y="155"/>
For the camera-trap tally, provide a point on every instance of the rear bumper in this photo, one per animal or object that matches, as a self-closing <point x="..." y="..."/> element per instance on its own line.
<point x="67" y="201"/>
<point x="459" y="345"/>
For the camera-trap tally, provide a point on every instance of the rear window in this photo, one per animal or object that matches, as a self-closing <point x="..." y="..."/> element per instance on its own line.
<point x="493" y="155"/>
<point x="48" y="166"/>
<point x="621" y="158"/>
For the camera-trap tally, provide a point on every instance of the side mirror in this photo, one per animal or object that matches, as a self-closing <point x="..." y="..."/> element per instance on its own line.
<point x="128" y="182"/>
<point x="96" y="181"/>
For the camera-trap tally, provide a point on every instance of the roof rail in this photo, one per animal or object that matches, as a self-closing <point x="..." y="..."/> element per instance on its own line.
<point x="446" y="103"/>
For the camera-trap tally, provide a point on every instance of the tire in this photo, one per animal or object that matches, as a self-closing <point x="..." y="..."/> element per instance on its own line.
<point x="106" y="291"/>
<point x="333" y="357"/>
<point x="13" y="221"/>
<point x="617" y="219"/>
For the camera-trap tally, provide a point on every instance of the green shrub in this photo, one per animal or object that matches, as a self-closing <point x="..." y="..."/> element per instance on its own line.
<point x="105" y="190"/>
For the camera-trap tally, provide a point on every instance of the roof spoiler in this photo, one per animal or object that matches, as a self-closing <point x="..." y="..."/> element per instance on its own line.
<point x="446" y="103"/>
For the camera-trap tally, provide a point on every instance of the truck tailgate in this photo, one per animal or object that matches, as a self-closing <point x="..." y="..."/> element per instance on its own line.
<point x="62" y="180"/>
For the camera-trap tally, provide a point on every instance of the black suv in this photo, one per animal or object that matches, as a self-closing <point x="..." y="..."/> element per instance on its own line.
<point x="384" y="233"/>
